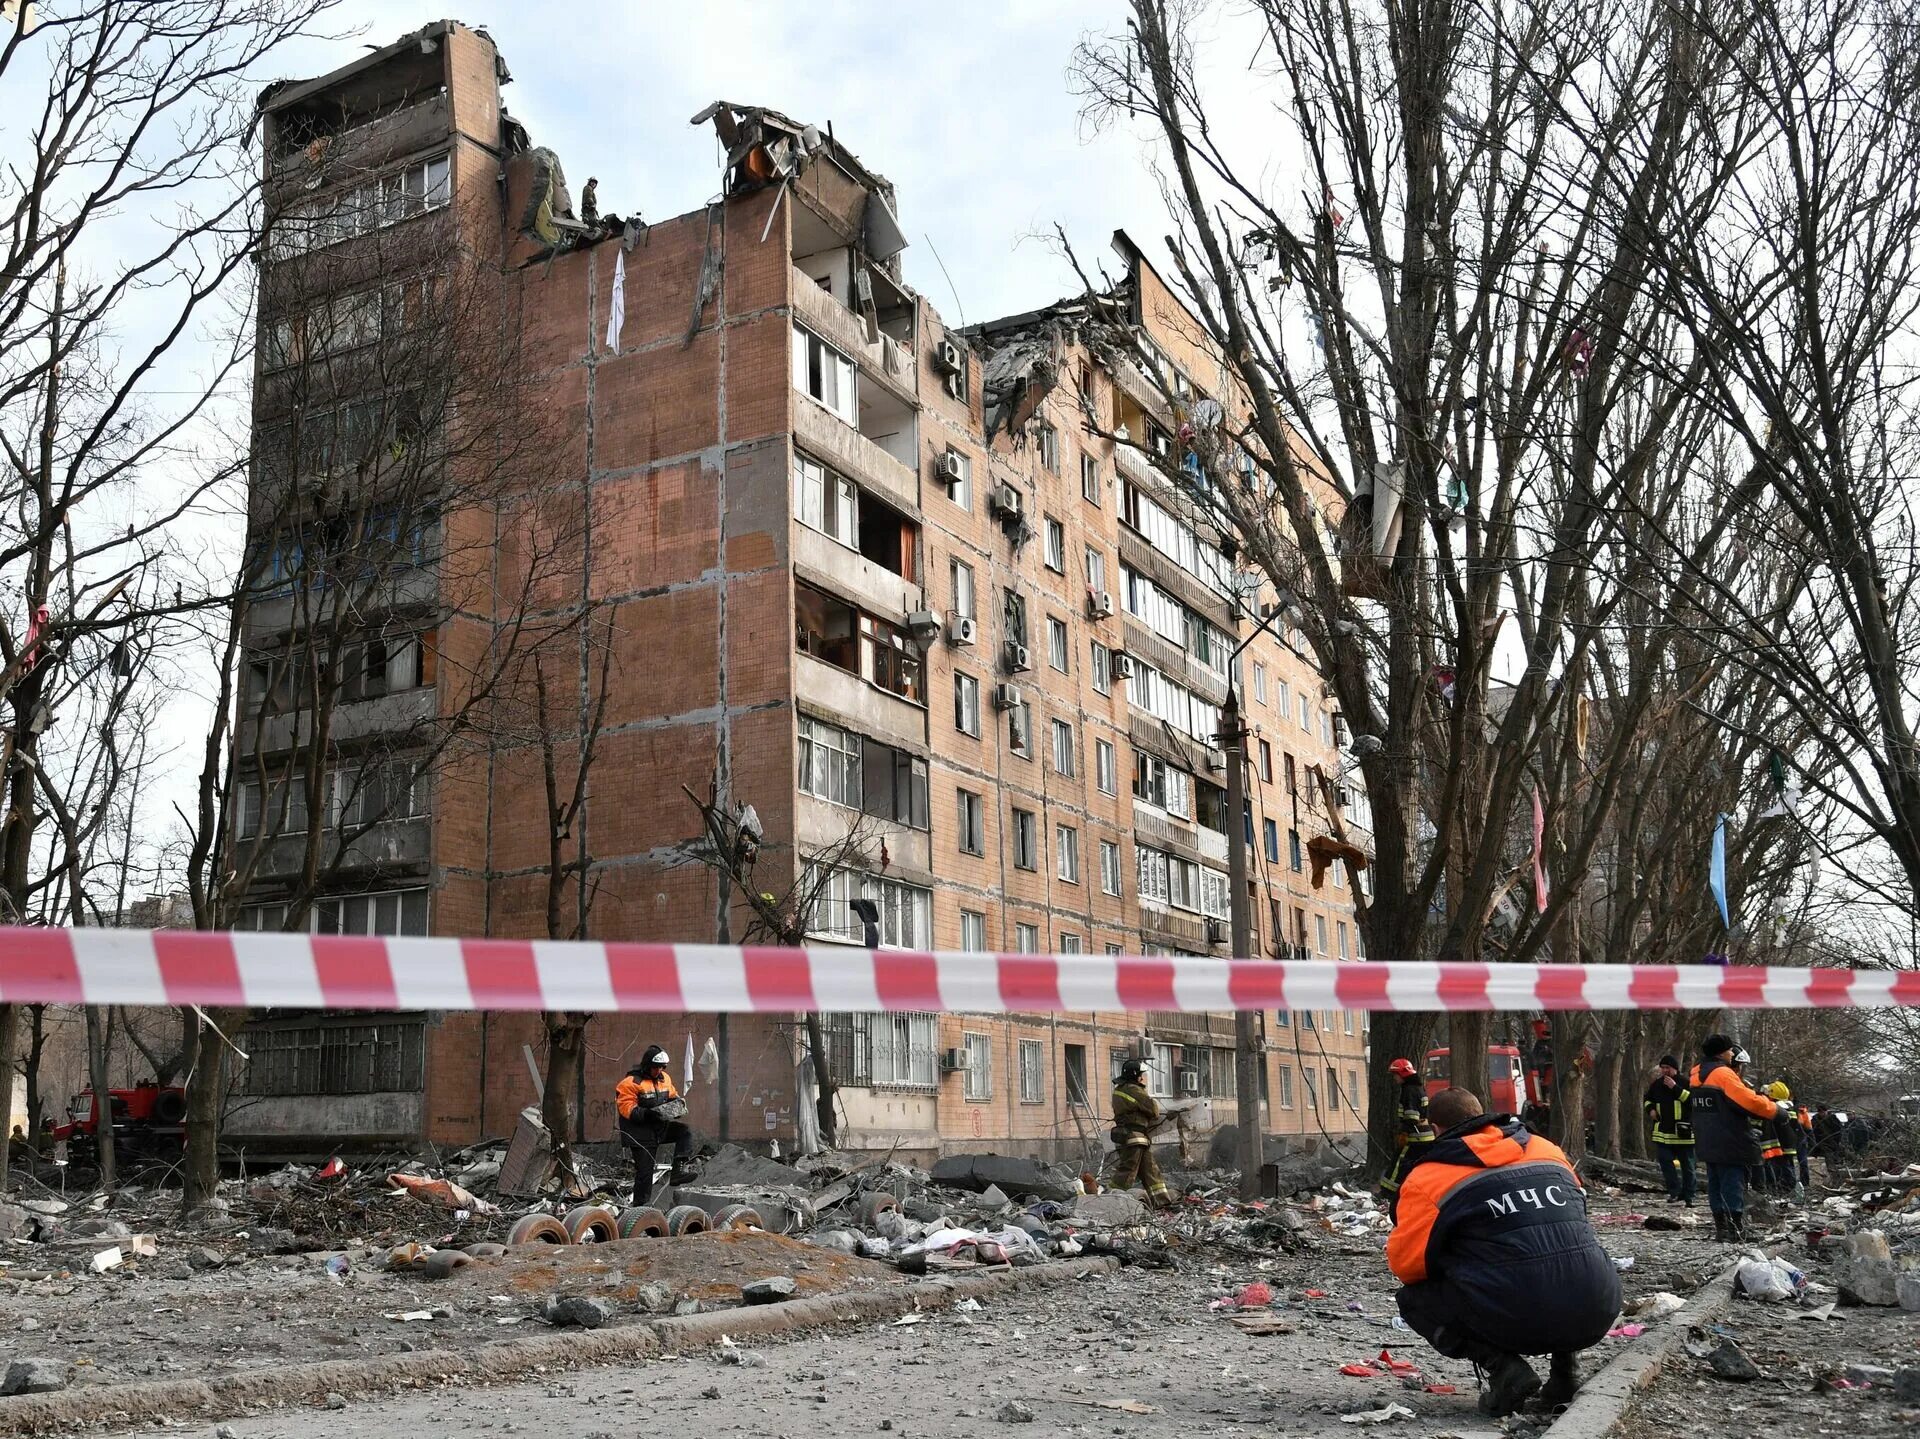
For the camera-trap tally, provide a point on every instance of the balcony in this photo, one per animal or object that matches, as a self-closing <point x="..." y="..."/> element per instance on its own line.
<point x="887" y="361"/>
<point x="402" y="846"/>
<point x="836" y="443"/>
<point x="412" y="588"/>
<point x="351" y="722"/>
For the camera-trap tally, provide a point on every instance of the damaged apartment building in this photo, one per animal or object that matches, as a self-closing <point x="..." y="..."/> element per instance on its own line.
<point x="872" y="576"/>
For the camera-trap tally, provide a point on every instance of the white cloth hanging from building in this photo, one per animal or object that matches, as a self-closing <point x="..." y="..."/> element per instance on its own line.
<point x="619" y="308"/>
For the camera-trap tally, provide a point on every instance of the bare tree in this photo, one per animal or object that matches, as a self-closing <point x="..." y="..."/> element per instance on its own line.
<point x="1445" y="391"/>
<point x="399" y="547"/>
<point x="130" y="108"/>
<point x="571" y="886"/>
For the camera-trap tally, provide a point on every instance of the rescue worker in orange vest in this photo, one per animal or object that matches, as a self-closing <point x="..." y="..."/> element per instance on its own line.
<point x="1723" y="1113"/>
<point x="1412" y="1128"/>
<point x="1806" y="1146"/>
<point x="1490" y="1237"/>
<point x="652" y="1113"/>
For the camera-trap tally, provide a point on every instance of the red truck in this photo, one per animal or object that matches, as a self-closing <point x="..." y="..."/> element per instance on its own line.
<point x="1507" y="1078"/>
<point x="149" y="1123"/>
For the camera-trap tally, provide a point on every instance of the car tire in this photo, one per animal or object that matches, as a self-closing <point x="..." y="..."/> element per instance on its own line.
<point x="686" y="1219"/>
<point x="737" y="1216"/>
<point x="592" y="1224"/>
<point x="642" y="1221"/>
<point x="538" y="1229"/>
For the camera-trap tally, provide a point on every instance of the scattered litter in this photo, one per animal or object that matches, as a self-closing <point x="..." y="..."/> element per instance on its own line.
<point x="338" y="1267"/>
<point x="1623" y="1262"/>
<point x="969" y="1306"/>
<point x="1626" y="1331"/>
<point x="1769" y="1280"/>
<point x="1260" y="1325"/>
<point x="443" y="1192"/>
<point x="1118" y="1406"/>
<point x="334" y="1168"/>
<point x="410" y="1316"/>
<point x="1438" y="1389"/>
<point x="1656" y="1306"/>
<point x="1316" y="1294"/>
<point x="905" y="1319"/>
<point x="106" y="1259"/>
<point x="1721" y="1354"/>
<point x="1822" y="1314"/>
<point x="1255" y="1296"/>
<point x="1385" y="1415"/>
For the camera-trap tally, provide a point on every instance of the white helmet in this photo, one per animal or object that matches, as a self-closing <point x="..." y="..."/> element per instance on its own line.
<point x="655" y="1056"/>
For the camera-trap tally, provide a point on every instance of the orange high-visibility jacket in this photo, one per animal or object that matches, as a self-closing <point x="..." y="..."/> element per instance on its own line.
<point x="1721" y="1104"/>
<point x="637" y="1092"/>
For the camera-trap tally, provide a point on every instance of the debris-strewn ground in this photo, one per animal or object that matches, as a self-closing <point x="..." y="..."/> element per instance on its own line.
<point x="1226" y="1318"/>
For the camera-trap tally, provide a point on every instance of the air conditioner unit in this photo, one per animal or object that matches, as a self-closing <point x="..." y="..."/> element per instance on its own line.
<point x="1216" y="762"/>
<point x="1216" y="931"/>
<point x="1019" y="657"/>
<point x="956" y="385"/>
<point x="950" y="469"/>
<point x="1122" y="666"/>
<point x="1006" y="697"/>
<point x="952" y="1061"/>
<point x="1099" y="604"/>
<point x="962" y="629"/>
<point x="949" y="357"/>
<point x="923" y="625"/>
<point x="1189" y="1081"/>
<point x="1005" y="502"/>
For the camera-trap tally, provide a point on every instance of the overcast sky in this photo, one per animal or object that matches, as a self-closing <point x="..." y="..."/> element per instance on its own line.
<point x="965" y="107"/>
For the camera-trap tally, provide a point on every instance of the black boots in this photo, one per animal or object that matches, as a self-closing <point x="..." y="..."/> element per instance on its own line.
<point x="1722" y="1227"/>
<point x="1562" y="1383"/>
<point x="1511" y="1382"/>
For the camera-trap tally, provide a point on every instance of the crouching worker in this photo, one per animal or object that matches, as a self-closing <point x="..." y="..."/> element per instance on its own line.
<point x="1491" y="1239"/>
<point x="653" y="1116"/>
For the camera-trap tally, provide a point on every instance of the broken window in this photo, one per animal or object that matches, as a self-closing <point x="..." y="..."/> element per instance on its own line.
<point x="346" y="214"/>
<point x="890" y="659"/>
<point x="960" y="585"/>
<point x="1056" y="545"/>
<point x="1047" y="440"/>
<point x="1066" y="853"/>
<point x="888" y="538"/>
<point x="825" y="501"/>
<point x="906" y="910"/>
<point x="1057" y="643"/>
<point x="824" y="374"/>
<point x="966" y="704"/>
<point x="1090" y="481"/>
<point x="376" y="794"/>
<point x="1020" y="730"/>
<point x="387" y="665"/>
<point x="970" y="822"/>
<point x="895" y="784"/>
<point x="826" y="628"/>
<point x="1014" y="609"/>
<point x="1026" y="843"/>
<point x="382" y="1056"/>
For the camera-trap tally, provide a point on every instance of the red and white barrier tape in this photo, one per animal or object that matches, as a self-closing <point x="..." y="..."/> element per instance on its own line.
<point x="297" y="971"/>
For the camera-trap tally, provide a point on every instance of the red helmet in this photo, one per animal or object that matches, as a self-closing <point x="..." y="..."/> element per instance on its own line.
<point x="1401" y="1069"/>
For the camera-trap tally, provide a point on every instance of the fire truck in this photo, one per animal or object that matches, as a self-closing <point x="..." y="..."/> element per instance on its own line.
<point x="149" y="1124"/>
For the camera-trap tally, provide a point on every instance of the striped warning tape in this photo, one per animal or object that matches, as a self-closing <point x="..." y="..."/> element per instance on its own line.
<point x="297" y="971"/>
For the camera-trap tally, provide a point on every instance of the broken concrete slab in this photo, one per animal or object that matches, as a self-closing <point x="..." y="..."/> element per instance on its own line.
<point x="1115" y="1209"/>
<point x="36" y="1376"/>
<point x="976" y="1172"/>
<point x="734" y="1165"/>
<point x="574" y="1309"/>
<point x="768" y="1291"/>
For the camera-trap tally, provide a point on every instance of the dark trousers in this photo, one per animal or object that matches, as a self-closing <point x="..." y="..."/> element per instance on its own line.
<point x="1785" y="1171"/>
<point x="645" y="1141"/>
<point x="1727" y="1188"/>
<point x="1676" y="1166"/>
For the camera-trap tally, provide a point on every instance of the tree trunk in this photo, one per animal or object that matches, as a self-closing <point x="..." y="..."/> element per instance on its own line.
<point x="103" y="1134"/>
<point x="1468" y="1034"/>
<point x="30" y="1070"/>
<point x="9" y="1017"/>
<point x="1633" y="1130"/>
<point x="566" y="1044"/>
<point x="1572" y="1031"/>
<point x="823" y="1083"/>
<point x="206" y="1095"/>
<point x="1606" y="1096"/>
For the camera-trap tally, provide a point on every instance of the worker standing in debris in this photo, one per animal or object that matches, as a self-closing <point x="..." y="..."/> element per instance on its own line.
<point x="1786" y="1139"/>
<point x="1136" y="1114"/>
<point x="653" y="1114"/>
<point x="1491" y="1239"/>
<point x="1722" y="1134"/>
<point x="1806" y="1144"/>
<point x="1669" y="1105"/>
<point x="1412" y="1127"/>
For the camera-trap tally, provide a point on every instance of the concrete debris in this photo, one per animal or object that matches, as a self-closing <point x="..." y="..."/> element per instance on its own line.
<point x="1724" y="1357"/>
<point x="768" y="1291"/>
<point x="734" y="1165"/>
<point x="574" y="1309"/>
<point x="1024" y="1177"/>
<point x="655" y="1299"/>
<point x="37" y="1376"/>
<point x="1014" y="1412"/>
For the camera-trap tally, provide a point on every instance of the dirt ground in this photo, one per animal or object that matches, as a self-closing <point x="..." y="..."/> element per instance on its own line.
<point x="1144" y="1337"/>
<point x="163" y="1318"/>
<point x="1790" y="1401"/>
